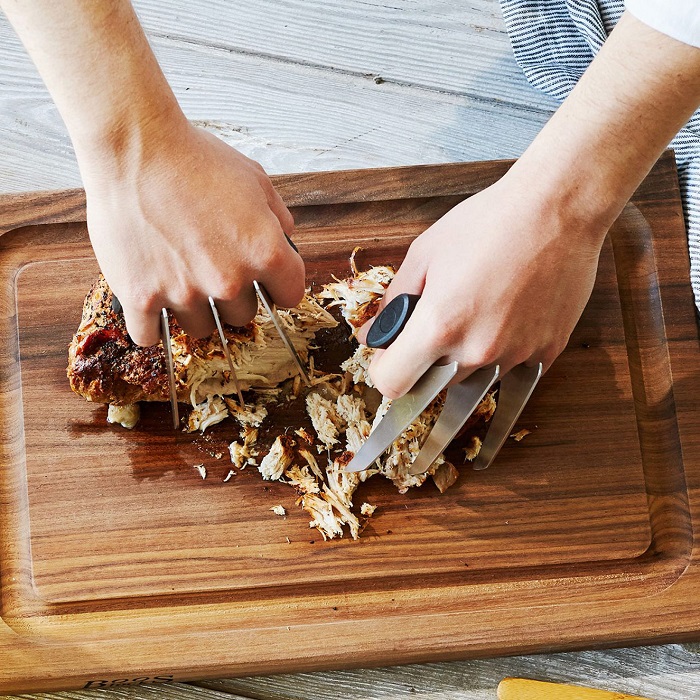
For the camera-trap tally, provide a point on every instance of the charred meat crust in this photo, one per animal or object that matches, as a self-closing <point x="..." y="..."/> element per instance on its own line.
<point x="106" y="366"/>
<point x="365" y="313"/>
<point x="104" y="363"/>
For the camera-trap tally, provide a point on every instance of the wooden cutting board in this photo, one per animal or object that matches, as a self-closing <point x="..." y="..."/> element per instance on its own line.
<point x="120" y="564"/>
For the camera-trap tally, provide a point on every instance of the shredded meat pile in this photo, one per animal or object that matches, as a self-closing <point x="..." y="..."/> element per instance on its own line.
<point x="343" y="407"/>
<point x="105" y="366"/>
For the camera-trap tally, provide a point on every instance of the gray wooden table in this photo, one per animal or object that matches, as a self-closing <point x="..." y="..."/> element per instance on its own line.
<point x="327" y="84"/>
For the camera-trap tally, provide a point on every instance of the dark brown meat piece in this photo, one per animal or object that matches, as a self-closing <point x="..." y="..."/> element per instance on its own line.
<point x="105" y="365"/>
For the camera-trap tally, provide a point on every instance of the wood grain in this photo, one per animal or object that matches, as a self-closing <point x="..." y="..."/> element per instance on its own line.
<point x="245" y="546"/>
<point x="663" y="673"/>
<point x="104" y="545"/>
<point x="315" y="113"/>
<point x="442" y="47"/>
<point x="35" y="154"/>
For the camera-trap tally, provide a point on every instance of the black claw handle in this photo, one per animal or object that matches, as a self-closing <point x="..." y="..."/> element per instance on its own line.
<point x="291" y="243"/>
<point x="391" y="320"/>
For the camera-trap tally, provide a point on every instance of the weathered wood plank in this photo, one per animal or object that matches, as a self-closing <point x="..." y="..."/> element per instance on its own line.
<point x="441" y="46"/>
<point x="162" y="691"/>
<point x="669" y="672"/>
<point x="289" y="116"/>
<point x="665" y="672"/>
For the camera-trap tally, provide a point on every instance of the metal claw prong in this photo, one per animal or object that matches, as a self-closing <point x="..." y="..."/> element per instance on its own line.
<point x="461" y="401"/>
<point x="165" y="337"/>
<point x="227" y="352"/>
<point x="274" y="317"/>
<point x="515" y="391"/>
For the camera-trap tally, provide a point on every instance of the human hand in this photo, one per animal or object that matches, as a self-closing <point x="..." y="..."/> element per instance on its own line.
<point x="503" y="279"/>
<point x="174" y="214"/>
<point x="182" y="217"/>
<point x="505" y="275"/>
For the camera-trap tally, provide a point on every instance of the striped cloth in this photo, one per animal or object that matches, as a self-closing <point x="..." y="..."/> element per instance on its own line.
<point x="555" y="40"/>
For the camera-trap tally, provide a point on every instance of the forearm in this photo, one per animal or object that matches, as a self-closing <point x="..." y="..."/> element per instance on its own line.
<point x="175" y="215"/>
<point x="635" y="96"/>
<point x="98" y="67"/>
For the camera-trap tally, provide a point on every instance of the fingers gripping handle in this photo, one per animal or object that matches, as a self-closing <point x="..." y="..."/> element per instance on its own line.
<point x="391" y="321"/>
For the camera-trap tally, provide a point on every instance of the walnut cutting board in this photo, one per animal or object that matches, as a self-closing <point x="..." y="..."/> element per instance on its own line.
<point x="119" y="563"/>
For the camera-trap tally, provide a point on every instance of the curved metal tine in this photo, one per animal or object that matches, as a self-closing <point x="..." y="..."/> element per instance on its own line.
<point x="401" y="414"/>
<point x="515" y="391"/>
<point x="461" y="401"/>
<point x="272" y="311"/>
<point x="170" y="365"/>
<point x="227" y="352"/>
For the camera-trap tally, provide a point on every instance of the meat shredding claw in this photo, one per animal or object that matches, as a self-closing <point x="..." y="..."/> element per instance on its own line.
<point x="271" y="309"/>
<point x="170" y="365"/>
<point x="461" y="400"/>
<point x="227" y="352"/>
<point x="515" y="391"/>
<point x="167" y="346"/>
<point x="269" y="305"/>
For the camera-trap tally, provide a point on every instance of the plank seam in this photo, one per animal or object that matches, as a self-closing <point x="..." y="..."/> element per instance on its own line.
<point x="379" y="79"/>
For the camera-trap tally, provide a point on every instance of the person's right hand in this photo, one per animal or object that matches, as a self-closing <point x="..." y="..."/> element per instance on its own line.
<point x="503" y="279"/>
<point x="180" y="216"/>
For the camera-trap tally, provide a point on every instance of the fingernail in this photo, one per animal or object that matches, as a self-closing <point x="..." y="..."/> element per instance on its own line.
<point x="116" y="304"/>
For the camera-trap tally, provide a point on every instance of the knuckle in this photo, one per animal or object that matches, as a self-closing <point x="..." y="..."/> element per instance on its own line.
<point x="386" y="388"/>
<point x="445" y="336"/>
<point x="275" y="253"/>
<point x="292" y="292"/>
<point x="183" y="297"/>
<point x="553" y="351"/>
<point x="517" y="356"/>
<point x="142" y="304"/>
<point x="417" y="249"/>
<point x="225" y="288"/>
<point x="482" y="354"/>
<point x="547" y="359"/>
<point x="561" y="342"/>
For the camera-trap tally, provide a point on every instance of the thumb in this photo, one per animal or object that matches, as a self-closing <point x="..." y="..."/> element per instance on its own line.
<point x="409" y="279"/>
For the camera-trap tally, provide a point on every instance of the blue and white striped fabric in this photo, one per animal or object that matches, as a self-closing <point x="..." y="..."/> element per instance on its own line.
<point x="555" y="40"/>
